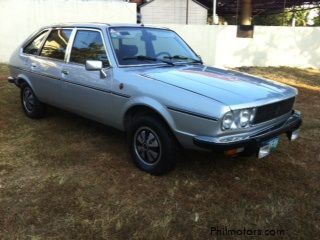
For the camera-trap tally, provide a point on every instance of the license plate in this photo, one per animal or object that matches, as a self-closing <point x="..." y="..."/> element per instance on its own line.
<point x="268" y="146"/>
<point x="274" y="143"/>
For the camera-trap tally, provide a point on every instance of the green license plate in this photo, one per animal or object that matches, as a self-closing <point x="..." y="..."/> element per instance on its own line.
<point x="274" y="143"/>
<point x="267" y="147"/>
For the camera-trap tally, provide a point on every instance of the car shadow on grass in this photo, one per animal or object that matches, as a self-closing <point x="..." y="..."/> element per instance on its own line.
<point x="95" y="140"/>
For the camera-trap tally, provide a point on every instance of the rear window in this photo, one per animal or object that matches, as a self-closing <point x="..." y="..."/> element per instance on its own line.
<point x="56" y="44"/>
<point x="34" y="46"/>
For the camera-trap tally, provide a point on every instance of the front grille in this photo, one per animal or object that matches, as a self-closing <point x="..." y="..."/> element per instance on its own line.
<point x="273" y="110"/>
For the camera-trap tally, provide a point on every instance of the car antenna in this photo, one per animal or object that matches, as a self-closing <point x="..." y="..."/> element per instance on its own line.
<point x="139" y="19"/>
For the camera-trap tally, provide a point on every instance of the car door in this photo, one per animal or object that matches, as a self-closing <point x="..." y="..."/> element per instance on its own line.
<point x="88" y="92"/>
<point x="48" y="66"/>
<point x="29" y="57"/>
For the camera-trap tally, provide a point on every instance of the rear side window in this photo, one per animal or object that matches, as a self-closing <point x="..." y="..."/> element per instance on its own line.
<point x="88" y="45"/>
<point x="34" y="46"/>
<point x="56" y="44"/>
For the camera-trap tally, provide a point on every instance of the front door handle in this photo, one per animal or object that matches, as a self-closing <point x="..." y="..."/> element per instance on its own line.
<point x="33" y="66"/>
<point x="65" y="72"/>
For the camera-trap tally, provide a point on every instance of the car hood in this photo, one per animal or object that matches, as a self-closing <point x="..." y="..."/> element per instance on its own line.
<point x="228" y="87"/>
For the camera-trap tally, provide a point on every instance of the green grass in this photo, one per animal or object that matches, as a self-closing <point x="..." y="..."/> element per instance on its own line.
<point x="4" y="69"/>
<point x="64" y="177"/>
<point x="4" y="72"/>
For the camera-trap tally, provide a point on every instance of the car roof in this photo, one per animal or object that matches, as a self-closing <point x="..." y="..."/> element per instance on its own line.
<point x="100" y="25"/>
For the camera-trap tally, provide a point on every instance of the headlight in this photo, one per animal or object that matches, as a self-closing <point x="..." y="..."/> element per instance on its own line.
<point x="253" y="114"/>
<point x="238" y="118"/>
<point x="244" y="117"/>
<point x="227" y="121"/>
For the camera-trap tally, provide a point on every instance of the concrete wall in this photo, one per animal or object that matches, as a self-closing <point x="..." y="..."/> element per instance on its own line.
<point x="20" y="18"/>
<point x="218" y="45"/>
<point x="173" y="12"/>
<point x="271" y="46"/>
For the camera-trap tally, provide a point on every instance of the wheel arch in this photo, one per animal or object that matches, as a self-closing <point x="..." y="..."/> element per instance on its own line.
<point x="21" y="78"/>
<point x="148" y="107"/>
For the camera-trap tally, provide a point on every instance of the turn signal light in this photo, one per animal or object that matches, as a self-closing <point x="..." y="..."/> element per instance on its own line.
<point x="233" y="152"/>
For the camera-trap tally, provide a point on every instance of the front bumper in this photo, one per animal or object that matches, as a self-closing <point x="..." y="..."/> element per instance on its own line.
<point x="251" y="141"/>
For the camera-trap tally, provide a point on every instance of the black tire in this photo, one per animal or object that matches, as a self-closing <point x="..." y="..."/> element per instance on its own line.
<point x="31" y="106"/>
<point x="157" y="139"/>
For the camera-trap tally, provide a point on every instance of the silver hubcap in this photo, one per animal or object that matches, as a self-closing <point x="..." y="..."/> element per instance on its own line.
<point x="147" y="145"/>
<point x="28" y="99"/>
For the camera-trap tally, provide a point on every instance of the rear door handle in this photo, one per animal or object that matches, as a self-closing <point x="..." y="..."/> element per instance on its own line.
<point x="65" y="72"/>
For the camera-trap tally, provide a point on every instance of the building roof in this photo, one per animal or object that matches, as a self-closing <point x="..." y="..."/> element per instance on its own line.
<point x="198" y="2"/>
<point x="260" y="7"/>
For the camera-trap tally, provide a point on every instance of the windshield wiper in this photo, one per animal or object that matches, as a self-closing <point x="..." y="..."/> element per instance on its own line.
<point x="184" y="58"/>
<point x="147" y="58"/>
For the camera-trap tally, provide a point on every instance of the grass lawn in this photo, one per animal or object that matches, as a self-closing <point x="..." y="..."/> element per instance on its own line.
<point x="67" y="177"/>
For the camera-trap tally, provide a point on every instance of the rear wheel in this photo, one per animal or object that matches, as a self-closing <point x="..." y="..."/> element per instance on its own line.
<point x="32" y="107"/>
<point x="152" y="145"/>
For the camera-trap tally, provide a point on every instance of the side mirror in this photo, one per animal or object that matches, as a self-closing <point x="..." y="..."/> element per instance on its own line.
<point x="94" y="65"/>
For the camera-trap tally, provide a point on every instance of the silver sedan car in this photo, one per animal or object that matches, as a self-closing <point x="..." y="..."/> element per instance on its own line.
<point x="148" y="82"/>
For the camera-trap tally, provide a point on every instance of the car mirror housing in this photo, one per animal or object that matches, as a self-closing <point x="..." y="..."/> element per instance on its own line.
<point x="94" y="65"/>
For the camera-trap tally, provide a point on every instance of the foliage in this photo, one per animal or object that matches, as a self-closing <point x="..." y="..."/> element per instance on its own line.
<point x="300" y="14"/>
<point x="273" y="20"/>
<point x="317" y="19"/>
<point x="284" y="19"/>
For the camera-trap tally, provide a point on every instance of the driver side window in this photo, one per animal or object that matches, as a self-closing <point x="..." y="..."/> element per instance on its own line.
<point x="88" y="45"/>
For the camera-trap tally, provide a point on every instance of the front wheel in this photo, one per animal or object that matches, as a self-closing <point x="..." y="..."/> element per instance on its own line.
<point x="152" y="145"/>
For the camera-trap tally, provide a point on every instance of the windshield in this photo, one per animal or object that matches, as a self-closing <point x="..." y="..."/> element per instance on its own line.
<point x="136" y="46"/>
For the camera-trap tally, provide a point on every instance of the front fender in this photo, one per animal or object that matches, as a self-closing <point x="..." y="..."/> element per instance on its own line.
<point x="150" y="103"/>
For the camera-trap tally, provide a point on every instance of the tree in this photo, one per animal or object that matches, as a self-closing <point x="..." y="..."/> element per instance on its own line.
<point x="317" y="19"/>
<point x="273" y="20"/>
<point x="301" y="16"/>
<point x="285" y="19"/>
